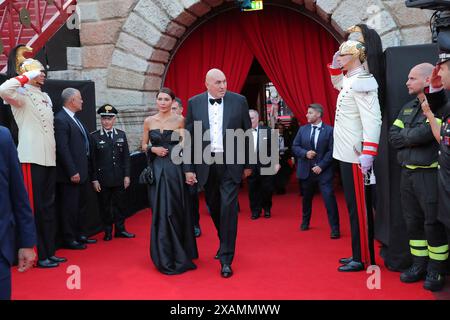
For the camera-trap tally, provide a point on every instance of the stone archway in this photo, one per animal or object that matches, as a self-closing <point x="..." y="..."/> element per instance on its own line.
<point x="126" y="45"/>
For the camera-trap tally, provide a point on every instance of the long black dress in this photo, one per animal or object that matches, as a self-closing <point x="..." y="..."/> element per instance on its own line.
<point x="172" y="243"/>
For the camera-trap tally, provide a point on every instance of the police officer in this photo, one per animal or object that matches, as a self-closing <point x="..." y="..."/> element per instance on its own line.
<point x="417" y="153"/>
<point x="111" y="172"/>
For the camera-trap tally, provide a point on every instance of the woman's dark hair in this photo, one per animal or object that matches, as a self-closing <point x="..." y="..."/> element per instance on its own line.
<point x="166" y="91"/>
<point x="11" y="66"/>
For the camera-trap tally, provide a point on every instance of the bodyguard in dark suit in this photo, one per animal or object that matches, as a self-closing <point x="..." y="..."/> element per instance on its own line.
<point x="214" y="112"/>
<point x="72" y="162"/>
<point x="260" y="184"/>
<point x="110" y="158"/>
<point x="15" y="215"/>
<point x="313" y="147"/>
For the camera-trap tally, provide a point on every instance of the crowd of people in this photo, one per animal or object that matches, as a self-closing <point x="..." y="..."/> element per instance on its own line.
<point x="60" y="159"/>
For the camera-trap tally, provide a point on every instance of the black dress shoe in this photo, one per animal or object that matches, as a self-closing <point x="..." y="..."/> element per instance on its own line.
<point x="197" y="231"/>
<point x="345" y="260"/>
<point x="353" y="266"/>
<point x="124" y="234"/>
<point x="57" y="259"/>
<point x="84" y="239"/>
<point x="335" y="235"/>
<point x="304" y="227"/>
<point x="75" y="245"/>
<point x="107" y="237"/>
<point x="267" y="214"/>
<point x="226" y="271"/>
<point x="47" y="263"/>
<point x="255" y="215"/>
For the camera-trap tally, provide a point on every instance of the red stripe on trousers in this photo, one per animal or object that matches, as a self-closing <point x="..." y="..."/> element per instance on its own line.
<point x="362" y="218"/>
<point x="26" y="170"/>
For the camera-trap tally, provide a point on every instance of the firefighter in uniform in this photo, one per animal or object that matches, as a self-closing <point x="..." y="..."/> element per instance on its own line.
<point x="111" y="172"/>
<point x="417" y="153"/>
<point x="33" y="113"/>
<point x="356" y="132"/>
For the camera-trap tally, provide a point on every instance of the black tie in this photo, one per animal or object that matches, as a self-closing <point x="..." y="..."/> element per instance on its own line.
<point x="313" y="136"/>
<point x="218" y="101"/>
<point x="86" y="140"/>
<point x="110" y="134"/>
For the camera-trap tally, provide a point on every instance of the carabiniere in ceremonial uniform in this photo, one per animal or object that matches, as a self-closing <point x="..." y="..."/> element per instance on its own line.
<point x="111" y="172"/>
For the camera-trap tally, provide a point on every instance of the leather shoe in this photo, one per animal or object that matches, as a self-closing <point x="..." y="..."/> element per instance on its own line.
<point x="75" y="245"/>
<point x="47" y="263"/>
<point x="124" y="234"/>
<point x="255" y="215"/>
<point x="57" y="259"/>
<point x="304" y="227"/>
<point x="335" y="235"/>
<point x="226" y="271"/>
<point x="351" y="267"/>
<point x="267" y="214"/>
<point x="345" y="260"/>
<point x="84" y="239"/>
<point x="197" y="231"/>
<point x="108" y="236"/>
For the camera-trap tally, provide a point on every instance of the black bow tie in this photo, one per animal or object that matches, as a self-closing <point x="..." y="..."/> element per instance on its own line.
<point x="218" y="101"/>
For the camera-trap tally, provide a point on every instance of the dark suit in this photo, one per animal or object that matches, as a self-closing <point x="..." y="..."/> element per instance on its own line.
<point x="15" y="211"/>
<point x="71" y="158"/>
<point x="110" y="165"/>
<point x="221" y="181"/>
<point x="308" y="179"/>
<point x="260" y="186"/>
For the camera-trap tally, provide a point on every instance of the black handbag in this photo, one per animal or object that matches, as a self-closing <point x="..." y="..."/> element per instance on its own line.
<point x="147" y="176"/>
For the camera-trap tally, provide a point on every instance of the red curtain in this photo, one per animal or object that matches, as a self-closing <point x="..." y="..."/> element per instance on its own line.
<point x="217" y="43"/>
<point x="293" y="51"/>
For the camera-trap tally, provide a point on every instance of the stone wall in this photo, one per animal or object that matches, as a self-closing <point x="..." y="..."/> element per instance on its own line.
<point x="126" y="44"/>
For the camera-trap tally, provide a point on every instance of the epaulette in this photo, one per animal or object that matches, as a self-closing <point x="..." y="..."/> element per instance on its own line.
<point x="365" y="82"/>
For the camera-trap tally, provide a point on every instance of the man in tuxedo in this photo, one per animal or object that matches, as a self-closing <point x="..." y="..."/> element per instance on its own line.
<point x="260" y="184"/>
<point x="214" y="163"/>
<point x="72" y="157"/>
<point x="313" y="147"/>
<point x="15" y="215"/>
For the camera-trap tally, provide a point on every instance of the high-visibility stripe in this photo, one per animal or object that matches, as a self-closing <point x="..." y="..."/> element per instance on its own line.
<point x="419" y="253"/>
<point x="431" y="166"/>
<point x="441" y="249"/>
<point x="399" y="123"/>
<point x="418" y="243"/>
<point x="439" y="121"/>
<point x="438" y="256"/>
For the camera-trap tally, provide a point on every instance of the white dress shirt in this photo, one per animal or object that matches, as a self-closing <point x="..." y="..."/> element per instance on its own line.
<point x="215" y="114"/>
<point x="316" y="135"/>
<point x="255" y="137"/>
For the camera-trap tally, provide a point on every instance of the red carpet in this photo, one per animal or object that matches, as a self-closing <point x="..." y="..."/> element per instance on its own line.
<point x="274" y="260"/>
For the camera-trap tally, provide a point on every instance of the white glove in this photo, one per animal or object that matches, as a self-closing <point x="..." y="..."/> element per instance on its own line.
<point x="32" y="74"/>
<point x="366" y="161"/>
<point x="335" y="64"/>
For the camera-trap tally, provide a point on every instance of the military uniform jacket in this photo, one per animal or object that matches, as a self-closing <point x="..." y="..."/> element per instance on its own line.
<point x="32" y="110"/>
<point x="357" y="123"/>
<point x="110" y="159"/>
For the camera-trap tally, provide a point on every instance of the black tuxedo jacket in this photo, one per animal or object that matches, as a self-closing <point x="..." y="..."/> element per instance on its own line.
<point x="71" y="155"/>
<point x="235" y="116"/>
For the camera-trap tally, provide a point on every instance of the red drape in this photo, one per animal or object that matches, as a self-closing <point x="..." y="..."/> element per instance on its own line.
<point x="293" y="51"/>
<point x="217" y="43"/>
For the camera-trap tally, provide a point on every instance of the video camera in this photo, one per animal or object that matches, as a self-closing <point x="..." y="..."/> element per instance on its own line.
<point x="440" y="21"/>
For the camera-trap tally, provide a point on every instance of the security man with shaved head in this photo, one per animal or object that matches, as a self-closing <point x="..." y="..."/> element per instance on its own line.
<point x="417" y="153"/>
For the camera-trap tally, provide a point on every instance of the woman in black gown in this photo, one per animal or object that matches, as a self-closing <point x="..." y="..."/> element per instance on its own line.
<point x="172" y="243"/>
